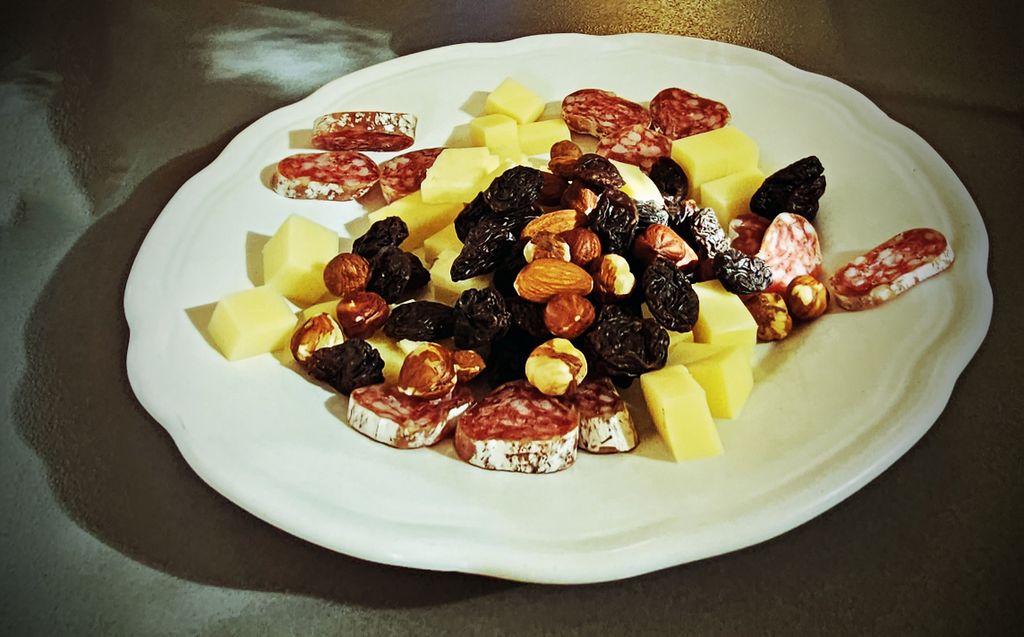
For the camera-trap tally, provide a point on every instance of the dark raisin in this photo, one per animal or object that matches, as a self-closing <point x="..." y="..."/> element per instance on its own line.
<point x="670" y="297"/>
<point x="480" y="317"/>
<point x="796" y="189"/>
<point x="598" y="171"/>
<point x="527" y="317"/>
<point x="385" y="233"/>
<point x="623" y="346"/>
<point x="670" y="180"/>
<point x="507" y="358"/>
<point x="554" y="188"/>
<point x="471" y="214"/>
<point x="487" y="244"/>
<point x="419" y="275"/>
<point x="420" y="321"/>
<point x="649" y="213"/>
<point x="741" y="273"/>
<point x="355" y="363"/>
<point x="614" y="221"/>
<point x="390" y="271"/>
<point x="508" y="269"/>
<point x="517" y="188"/>
<point x="699" y="227"/>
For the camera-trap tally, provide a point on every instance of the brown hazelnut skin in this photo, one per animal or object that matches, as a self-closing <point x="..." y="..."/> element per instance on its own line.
<point x="317" y="332"/>
<point x="468" y="364"/>
<point x="658" y="240"/>
<point x="427" y="372"/>
<point x="806" y="297"/>
<point x="584" y="246"/>
<point x="568" y="315"/>
<point x="362" y="313"/>
<point x="770" y="313"/>
<point x="552" y="190"/>
<point x="545" y="245"/>
<point x="579" y="198"/>
<point x="563" y="158"/>
<point x="613" y="279"/>
<point x="346" y="273"/>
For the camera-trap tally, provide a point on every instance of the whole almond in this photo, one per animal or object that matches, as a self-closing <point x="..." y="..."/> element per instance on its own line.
<point x="543" y="279"/>
<point x="554" y="222"/>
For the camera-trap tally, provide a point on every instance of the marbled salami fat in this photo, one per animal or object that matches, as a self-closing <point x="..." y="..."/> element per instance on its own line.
<point x="891" y="268"/>
<point x="605" y="423"/>
<point x="678" y="113"/>
<point x="790" y="248"/>
<point x="601" y="113"/>
<point x="517" y="428"/>
<point x="401" y="176"/>
<point x="364" y="130"/>
<point x="388" y="416"/>
<point x="635" y="144"/>
<point x="746" y="232"/>
<point x="335" y="176"/>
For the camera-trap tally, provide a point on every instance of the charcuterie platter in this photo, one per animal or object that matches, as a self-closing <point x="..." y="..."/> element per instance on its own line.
<point x="831" y="407"/>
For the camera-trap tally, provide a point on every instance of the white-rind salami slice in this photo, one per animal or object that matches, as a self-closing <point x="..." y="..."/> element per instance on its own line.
<point x="891" y="268"/>
<point x="790" y="248"/>
<point x="679" y="113"/>
<point x="601" y="113"/>
<point x="746" y="232"/>
<point x="364" y="130"/>
<point x="401" y="176"/>
<point x="637" y="145"/>
<point x="605" y="423"/>
<point x="517" y="428"/>
<point x="386" y="415"/>
<point x="335" y="176"/>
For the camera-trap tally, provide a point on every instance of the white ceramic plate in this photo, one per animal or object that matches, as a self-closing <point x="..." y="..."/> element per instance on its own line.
<point x="832" y="407"/>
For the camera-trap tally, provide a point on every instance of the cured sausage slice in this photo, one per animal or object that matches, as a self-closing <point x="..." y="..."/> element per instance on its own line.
<point x="601" y="113"/>
<point x="336" y="176"/>
<point x="637" y="145"/>
<point x="790" y="248"/>
<point x="892" y="268"/>
<point x="747" y="232"/>
<point x="388" y="416"/>
<point x="401" y="176"/>
<point x="517" y="428"/>
<point x="605" y="423"/>
<point x="364" y="130"/>
<point x="679" y="113"/>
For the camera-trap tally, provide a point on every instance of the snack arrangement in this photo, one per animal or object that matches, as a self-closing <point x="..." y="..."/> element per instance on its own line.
<point x="507" y="290"/>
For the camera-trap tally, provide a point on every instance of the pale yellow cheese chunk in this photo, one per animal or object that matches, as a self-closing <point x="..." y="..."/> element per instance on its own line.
<point x="727" y="380"/>
<point x="391" y="353"/>
<point x="679" y="410"/>
<point x="538" y="137"/>
<point x="515" y="100"/>
<point x="714" y="154"/>
<point x="251" y="322"/>
<point x="722" y="318"/>
<point x="499" y="133"/>
<point x="729" y="196"/>
<point x="422" y="218"/>
<point x="638" y="185"/>
<point x="455" y="175"/>
<point x="294" y="259"/>
<point x="679" y="337"/>
<point x="446" y="290"/>
<point x="324" y="307"/>
<point x="443" y="240"/>
<point x="681" y="352"/>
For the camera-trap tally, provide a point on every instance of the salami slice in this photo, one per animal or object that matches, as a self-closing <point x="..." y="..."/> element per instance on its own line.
<point x="790" y="248"/>
<point x="364" y="130"/>
<point x="336" y="176"/>
<point x="401" y="176"/>
<point x="635" y="144"/>
<point x="746" y="232"/>
<point x="388" y="416"/>
<point x="891" y="269"/>
<point x="679" y="113"/>
<point x="601" y="113"/>
<point x="605" y="423"/>
<point x="517" y="428"/>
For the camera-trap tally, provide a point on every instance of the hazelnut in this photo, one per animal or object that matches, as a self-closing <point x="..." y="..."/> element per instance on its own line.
<point x="568" y="315"/>
<point x="552" y="189"/>
<point x="318" y="332"/>
<point x="566" y="148"/>
<point x="612" y="278"/>
<point x="584" y="246"/>
<point x="563" y="158"/>
<point x="806" y="297"/>
<point x="362" y="313"/>
<point x="556" y="367"/>
<point x="545" y="246"/>
<point x="658" y="240"/>
<point x="468" y="364"/>
<point x="427" y="372"/>
<point x="346" y="273"/>
<point x="579" y="198"/>
<point x="770" y="313"/>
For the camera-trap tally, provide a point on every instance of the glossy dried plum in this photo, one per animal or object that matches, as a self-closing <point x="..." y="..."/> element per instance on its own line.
<point x="741" y="273"/>
<point x="598" y="171"/>
<point x="624" y="346"/>
<point x="388" y="232"/>
<point x="419" y="275"/>
<point x="487" y="244"/>
<point x="527" y="317"/>
<point x="649" y="213"/>
<point x="390" y="271"/>
<point x="699" y="227"/>
<point x="508" y="268"/>
<point x="795" y="188"/>
<point x="472" y="213"/>
<point x="614" y="221"/>
<point x="517" y="188"/>
<point x="420" y="321"/>
<point x="480" y="318"/>
<point x="670" y="180"/>
<point x="353" y="364"/>
<point x="670" y="297"/>
<point x="507" y="358"/>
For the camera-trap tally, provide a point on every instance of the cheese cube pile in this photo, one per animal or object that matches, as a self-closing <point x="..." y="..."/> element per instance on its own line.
<point x="294" y="259"/>
<point x="679" y="410"/>
<point x="730" y="196"/>
<point x="498" y="132"/>
<point x="723" y="319"/>
<point x="422" y="218"/>
<point x="712" y="155"/>
<point x="456" y="174"/>
<point x="514" y="100"/>
<point x="251" y="322"/>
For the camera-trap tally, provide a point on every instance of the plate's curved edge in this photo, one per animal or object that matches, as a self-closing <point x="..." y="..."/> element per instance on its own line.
<point x="629" y="564"/>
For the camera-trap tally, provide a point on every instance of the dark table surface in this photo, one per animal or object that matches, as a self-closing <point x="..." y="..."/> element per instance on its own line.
<point x="108" y="107"/>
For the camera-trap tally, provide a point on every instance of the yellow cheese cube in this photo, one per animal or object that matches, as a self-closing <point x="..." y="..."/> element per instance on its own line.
<point x="680" y="412"/>
<point x="423" y="219"/>
<point x="251" y="322"/>
<point x="638" y="185"/>
<point x="730" y="196"/>
<point x="294" y="259"/>
<point x="446" y="290"/>
<point x="455" y="174"/>
<point x="326" y="307"/>
<point x="679" y="337"/>
<point x="497" y="132"/>
<point x="515" y="100"/>
<point x="714" y="154"/>
<point x="391" y="353"/>
<point x="443" y="240"/>
<point x="723" y="319"/>
<point x="682" y="352"/>
<point x="727" y="380"/>
<point x="538" y="137"/>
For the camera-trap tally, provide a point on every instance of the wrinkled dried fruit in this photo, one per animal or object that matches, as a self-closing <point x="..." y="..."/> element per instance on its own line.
<point x="427" y="372"/>
<point x="318" y="332"/>
<point x="770" y="314"/>
<point x="614" y="221"/>
<point x="346" y="273"/>
<point x="487" y="244"/>
<point x="796" y="189"/>
<point x="354" y="363"/>
<point x="670" y="297"/>
<point x="517" y="188"/>
<point x="670" y="179"/>
<point x="420" y="321"/>
<point x="699" y="227"/>
<point x="393" y="273"/>
<point x="362" y="313"/>
<point x="624" y="346"/>
<point x="508" y="269"/>
<point x="568" y="315"/>
<point x="480" y="318"/>
<point x="806" y="297"/>
<point x="526" y="317"/>
<point x="472" y="213"/>
<point x="741" y="273"/>
<point x="554" y="188"/>
<point x="650" y="212"/>
<point x="598" y="171"/>
<point x="388" y="232"/>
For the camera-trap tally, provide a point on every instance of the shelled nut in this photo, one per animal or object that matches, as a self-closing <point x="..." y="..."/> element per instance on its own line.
<point x="613" y="278"/>
<point x="555" y="367"/>
<point x="318" y="332"/>
<point x="770" y="314"/>
<point x="806" y="297"/>
<point x="584" y="245"/>
<point x="427" y="372"/>
<point x="346" y="273"/>
<point x="362" y="313"/>
<point x="568" y="315"/>
<point x="545" y="245"/>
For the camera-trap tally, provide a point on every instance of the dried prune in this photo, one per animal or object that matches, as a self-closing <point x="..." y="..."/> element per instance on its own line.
<point x="420" y="321"/>
<point x="649" y="213"/>
<point x="355" y="363"/>
<point x="507" y="358"/>
<point x="796" y="189"/>
<point x="517" y="188"/>
<point x="419" y="275"/>
<point x="526" y="317"/>
<point x="508" y="268"/>
<point x="670" y="297"/>
<point x="699" y="227"/>
<point x="480" y="318"/>
<point x="598" y="171"/>
<point x="670" y="180"/>
<point x="624" y="346"/>
<point x="471" y="214"/>
<point x="487" y="244"/>
<point x="614" y="221"/>
<point x="741" y="273"/>
<point x="390" y="271"/>
<point x="388" y="232"/>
